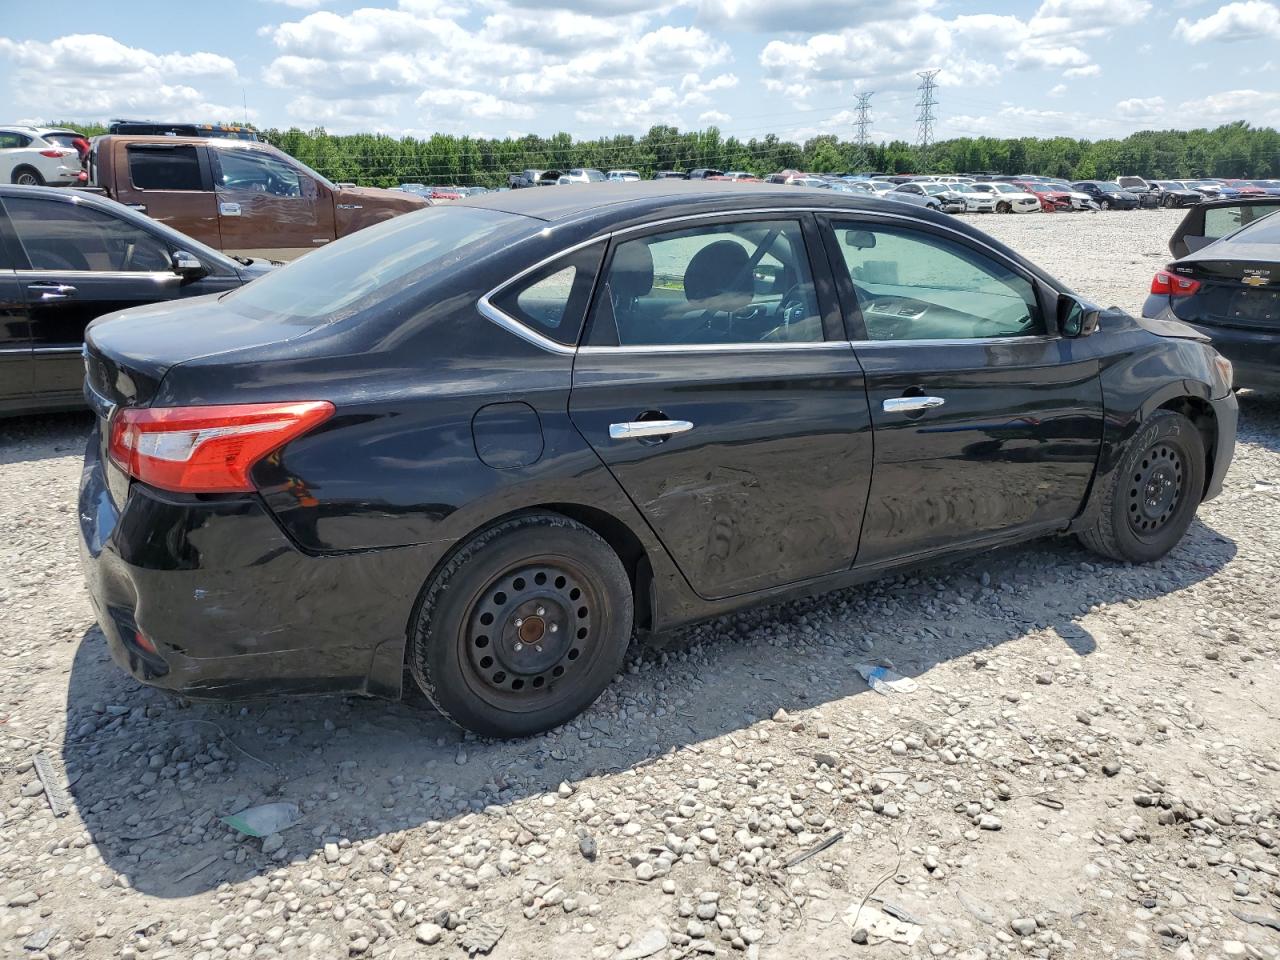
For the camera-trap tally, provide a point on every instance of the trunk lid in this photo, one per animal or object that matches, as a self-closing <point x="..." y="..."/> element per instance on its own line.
<point x="128" y="354"/>
<point x="1243" y="291"/>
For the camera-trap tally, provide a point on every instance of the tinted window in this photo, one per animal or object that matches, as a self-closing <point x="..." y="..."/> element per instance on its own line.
<point x="177" y="168"/>
<point x="554" y="299"/>
<point x="369" y="267"/>
<point x="715" y="284"/>
<point x="917" y="286"/>
<point x="9" y="141"/>
<point x="245" y="172"/>
<point x="72" y="236"/>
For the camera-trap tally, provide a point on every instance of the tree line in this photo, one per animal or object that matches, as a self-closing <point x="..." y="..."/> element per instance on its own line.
<point x="1232" y="150"/>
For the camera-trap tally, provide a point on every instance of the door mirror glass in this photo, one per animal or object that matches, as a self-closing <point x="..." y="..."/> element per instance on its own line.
<point x="859" y="239"/>
<point x="187" y="265"/>
<point x="1075" y="318"/>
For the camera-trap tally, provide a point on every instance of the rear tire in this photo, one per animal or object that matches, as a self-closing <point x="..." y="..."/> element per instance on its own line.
<point x="28" y="177"/>
<point x="523" y="627"/>
<point x="1153" y="494"/>
<point x="1170" y="201"/>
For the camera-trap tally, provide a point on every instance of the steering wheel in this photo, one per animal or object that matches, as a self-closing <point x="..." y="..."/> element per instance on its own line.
<point x="793" y="307"/>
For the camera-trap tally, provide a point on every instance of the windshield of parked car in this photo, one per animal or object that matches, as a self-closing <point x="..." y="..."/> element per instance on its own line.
<point x="962" y="188"/>
<point x="368" y="267"/>
<point x="933" y="189"/>
<point x="1108" y="188"/>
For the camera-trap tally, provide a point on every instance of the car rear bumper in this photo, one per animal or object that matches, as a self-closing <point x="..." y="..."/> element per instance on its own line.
<point x="205" y="596"/>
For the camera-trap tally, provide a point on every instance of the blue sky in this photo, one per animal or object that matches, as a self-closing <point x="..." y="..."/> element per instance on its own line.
<point x="506" y="67"/>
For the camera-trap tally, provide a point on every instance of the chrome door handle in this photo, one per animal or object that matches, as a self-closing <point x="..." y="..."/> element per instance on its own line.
<point x="52" y="291"/>
<point x="647" y="428"/>
<point x="229" y="209"/>
<point x="911" y="404"/>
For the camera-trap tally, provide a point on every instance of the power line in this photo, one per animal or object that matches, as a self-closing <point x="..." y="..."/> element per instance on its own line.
<point x="862" y="124"/>
<point x="926" y="117"/>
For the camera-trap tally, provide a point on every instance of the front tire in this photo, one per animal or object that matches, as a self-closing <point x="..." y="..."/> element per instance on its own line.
<point x="1170" y="201"/>
<point x="1105" y="204"/>
<point x="28" y="177"/>
<point x="1153" y="494"/>
<point x="523" y="627"/>
<point x="1004" y="207"/>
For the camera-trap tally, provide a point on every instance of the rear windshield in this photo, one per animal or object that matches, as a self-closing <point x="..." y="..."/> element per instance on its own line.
<point x="1266" y="230"/>
<point x="368" y="267"/>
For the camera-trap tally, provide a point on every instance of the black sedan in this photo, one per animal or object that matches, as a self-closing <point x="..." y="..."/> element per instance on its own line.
<point x="1229" y="289"/>
<point x="1174" y="194"/>
<point x="1107" y="195"/>
<point x="68" y="256"/>
<point x="486" y="440"/>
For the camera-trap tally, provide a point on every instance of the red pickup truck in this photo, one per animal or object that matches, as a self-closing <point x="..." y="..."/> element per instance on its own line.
<point x="244" y="198"/>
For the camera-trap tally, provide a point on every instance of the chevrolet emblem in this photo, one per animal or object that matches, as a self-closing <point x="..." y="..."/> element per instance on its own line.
<point x="1254" y="280"/>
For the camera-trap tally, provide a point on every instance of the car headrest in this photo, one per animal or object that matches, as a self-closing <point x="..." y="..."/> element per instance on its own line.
<point x="632" y="272"/>
<point x="718" y="277"/>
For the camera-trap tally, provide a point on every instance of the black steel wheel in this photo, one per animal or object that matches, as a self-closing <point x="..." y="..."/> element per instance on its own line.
<point x="1150" y="498"/>
<point x="523" y="627"/>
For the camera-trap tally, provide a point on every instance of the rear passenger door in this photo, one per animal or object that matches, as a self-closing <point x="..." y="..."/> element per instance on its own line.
<point x="172" y="183"/>
<point x="987" y="423"/>
<point x="717" y="386"/>
<point x="15" y="333"/>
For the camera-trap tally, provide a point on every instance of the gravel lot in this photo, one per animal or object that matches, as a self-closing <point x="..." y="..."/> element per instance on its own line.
<point x="1088" y="767"/>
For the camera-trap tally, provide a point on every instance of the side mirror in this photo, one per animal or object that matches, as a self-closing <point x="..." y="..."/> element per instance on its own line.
<point x="1075" y="318"/>
<point x="187" y="265"/>
<point x="859" y="239"/>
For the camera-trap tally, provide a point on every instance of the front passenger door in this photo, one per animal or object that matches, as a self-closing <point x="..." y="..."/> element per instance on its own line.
<point x="76" y="262"/>
<point x="267" y="208"/>
<point x="987" y="422"/>
<point x="15" y="334"/>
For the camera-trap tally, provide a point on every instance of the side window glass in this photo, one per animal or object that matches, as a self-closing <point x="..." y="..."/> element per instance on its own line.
<point x="12" y="141"/>
<point x="732" y="283"/>
<point x="553" y="300"/>
<point x="917" y="286"/>
<point x="244" y="172"/>
<point x="1220" y="221"/>
<point x="69" y="236"/>
<point x="175" y="168"/>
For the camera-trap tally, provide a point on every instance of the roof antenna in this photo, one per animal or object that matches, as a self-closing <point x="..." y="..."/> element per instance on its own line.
<point x="245" y="101"/>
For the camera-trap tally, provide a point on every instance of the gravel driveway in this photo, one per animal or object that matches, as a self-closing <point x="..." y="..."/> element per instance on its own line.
<point x="1088" y="766"/>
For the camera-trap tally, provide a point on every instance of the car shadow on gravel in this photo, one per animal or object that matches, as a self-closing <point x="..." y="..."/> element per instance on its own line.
<point x="44" y="437"/>
<point x="151" y="775"/>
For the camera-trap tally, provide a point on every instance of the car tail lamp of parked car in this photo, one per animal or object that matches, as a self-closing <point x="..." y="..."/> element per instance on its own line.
<point x="55" y="154"/>
<point x="207" y="449"/>
<point x="1172" y="285"/>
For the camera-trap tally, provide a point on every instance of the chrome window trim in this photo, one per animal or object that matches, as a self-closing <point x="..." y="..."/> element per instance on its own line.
<point x="764" y="346"/>
<point x="486" y="308"/>
<point x="108" y="274"/>
<point x="40" y="350"/>
<point x="1045" y="338"/>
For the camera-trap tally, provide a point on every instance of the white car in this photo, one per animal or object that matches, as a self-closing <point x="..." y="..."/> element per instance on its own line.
<point x="1009" y="199"/>
<point x="622" y="176"/>
<point x="38" y="155"/>
<point x="975" y="201"/>
<point x="582" y="175"/>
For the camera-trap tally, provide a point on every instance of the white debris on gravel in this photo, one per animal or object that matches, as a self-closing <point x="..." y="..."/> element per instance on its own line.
<point x="1087" y="768"/>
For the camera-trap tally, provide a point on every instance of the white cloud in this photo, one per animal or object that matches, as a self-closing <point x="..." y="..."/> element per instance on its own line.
<point x="1139" y="108"/>
<point x="802" y="16"/>
<point x="1256" y="106"/>
<point x="1088" y="70"/>
<point x="1058" y="89"/>
<point x="1250" y="20"/>
<point x="508" y="68"/>
<point x="713" y="118"/>
<point x="300" y="4"/>
<point x="91" y="76"/>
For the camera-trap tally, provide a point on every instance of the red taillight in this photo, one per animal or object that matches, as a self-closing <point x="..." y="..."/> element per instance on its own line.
<point x="207" y="449"/>
<point x="54" y="153"/>
<point x="1172" y="285"/>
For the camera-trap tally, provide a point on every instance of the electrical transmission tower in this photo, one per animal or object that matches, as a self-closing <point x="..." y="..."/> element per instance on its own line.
<point x="926" y="117"/>
<point x="861" y="124"/>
